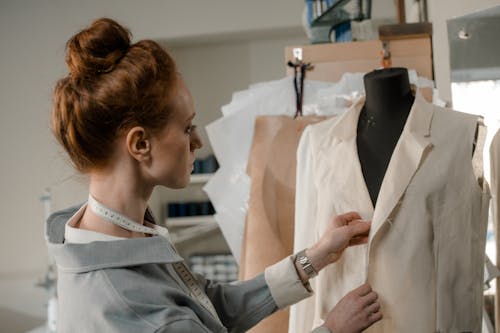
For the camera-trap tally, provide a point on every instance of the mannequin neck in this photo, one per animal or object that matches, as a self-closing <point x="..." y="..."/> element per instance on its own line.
<point x="388" y="93"/>
<point x="388" y="103"/>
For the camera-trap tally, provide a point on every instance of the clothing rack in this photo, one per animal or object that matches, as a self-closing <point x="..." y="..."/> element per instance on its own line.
<point x="331" y="61"/>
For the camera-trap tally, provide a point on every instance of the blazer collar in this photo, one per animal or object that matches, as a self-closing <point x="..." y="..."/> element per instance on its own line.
<point x="418" y="122"/>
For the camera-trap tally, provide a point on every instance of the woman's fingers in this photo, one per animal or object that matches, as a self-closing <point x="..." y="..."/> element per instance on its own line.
<point x="368" y="306"/>
<point x="358" y="241"/>
<point x="374" y="317"/>
<point x="363" y="290"/>
<point x="344" y="219"/>
<point x="373" y="314"/>
<point x="356" y="311"/>
<point x="369" y="299"/>
<point x="371" y="310"/>
<point x="359" y="228"/>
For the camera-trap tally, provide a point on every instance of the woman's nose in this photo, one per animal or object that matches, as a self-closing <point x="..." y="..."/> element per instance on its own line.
<point x="196" y="142"/>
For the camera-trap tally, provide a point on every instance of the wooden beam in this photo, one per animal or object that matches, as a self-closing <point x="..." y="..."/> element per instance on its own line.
<point x="400" y="6"/>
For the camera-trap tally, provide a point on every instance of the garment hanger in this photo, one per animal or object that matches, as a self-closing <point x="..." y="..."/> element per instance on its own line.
<point x="386" y="55"/>
<point x="299" y="68"/>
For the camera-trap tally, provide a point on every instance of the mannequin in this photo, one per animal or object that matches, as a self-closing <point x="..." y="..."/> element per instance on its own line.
<point x="388" y="103"/>
<point x="428" y="234"/>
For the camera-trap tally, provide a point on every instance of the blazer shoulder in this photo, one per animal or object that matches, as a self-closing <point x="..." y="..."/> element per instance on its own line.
<point x="315" y="133"/>
<point x="451" y="120"/>
<point x="454" y="116"/>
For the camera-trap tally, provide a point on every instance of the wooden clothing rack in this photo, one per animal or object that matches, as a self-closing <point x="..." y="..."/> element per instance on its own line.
<point x="399" y="46"/>
<point x="406" y="45"/>
<point x="331" y="61"/>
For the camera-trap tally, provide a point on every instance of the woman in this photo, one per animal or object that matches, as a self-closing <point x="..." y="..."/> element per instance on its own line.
<point x="124" y="116"/>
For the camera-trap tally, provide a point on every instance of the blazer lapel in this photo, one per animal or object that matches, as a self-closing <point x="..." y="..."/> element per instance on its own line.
<point x="413" y="145"/>
<point x="337" y="152"/>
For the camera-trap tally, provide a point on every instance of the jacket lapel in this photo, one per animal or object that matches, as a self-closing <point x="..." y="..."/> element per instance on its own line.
<point x="337" y="151"/>
<point x="339" y="144"/>
<point x="411" y="149"/>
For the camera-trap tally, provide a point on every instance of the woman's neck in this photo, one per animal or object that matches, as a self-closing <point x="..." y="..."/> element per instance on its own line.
<point x="123" y="193"/>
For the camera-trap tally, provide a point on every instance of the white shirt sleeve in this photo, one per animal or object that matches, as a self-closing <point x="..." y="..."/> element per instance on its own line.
<point x="285" y="284"/>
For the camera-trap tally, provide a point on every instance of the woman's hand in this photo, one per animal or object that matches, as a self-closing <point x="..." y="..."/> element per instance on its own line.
<point x="355" y="312"/>
<point x="344" y="230"/>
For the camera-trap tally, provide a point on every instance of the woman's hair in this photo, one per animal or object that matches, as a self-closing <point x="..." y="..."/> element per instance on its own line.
<point x="112" y="86"/>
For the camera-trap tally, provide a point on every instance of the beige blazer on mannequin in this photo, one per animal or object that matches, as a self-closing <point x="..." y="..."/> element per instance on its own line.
<point x="425" y="255"/>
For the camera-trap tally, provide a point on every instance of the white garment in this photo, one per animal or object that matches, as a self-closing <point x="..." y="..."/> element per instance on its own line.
<point x="425" y="256"/>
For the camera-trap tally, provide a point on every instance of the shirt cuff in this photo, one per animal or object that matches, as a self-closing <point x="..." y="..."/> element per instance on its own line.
<point x="321" y="329"/>
<point x="285" y="284"/>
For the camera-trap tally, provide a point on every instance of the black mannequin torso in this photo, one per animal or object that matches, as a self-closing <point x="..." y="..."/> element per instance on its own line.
<point x="388" y="103"/>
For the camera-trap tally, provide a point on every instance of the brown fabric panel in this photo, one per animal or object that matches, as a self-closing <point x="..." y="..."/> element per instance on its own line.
<point x="268" y="235"/>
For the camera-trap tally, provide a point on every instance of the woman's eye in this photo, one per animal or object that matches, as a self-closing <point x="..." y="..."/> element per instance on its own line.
<point x="190" y="129"/>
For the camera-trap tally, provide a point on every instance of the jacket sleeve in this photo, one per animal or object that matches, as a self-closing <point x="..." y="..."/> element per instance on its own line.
<point x="183" y="325"/>
<point x="241" y="305"/>
<point x="302" y="314"/>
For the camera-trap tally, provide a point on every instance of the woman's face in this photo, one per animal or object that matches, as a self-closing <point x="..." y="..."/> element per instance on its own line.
<point x="173" y="147"/>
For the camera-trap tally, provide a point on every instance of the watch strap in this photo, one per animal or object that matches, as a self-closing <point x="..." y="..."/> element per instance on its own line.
<point x="305" y="264"/>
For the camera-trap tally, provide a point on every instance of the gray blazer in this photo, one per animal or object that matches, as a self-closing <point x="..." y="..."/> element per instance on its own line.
<point x="127" y="286"/>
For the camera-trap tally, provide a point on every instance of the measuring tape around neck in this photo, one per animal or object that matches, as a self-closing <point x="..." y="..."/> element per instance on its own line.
<point x="118" y="219"/>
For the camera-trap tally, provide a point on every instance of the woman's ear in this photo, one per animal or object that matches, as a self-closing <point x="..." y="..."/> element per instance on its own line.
<point x="139" y="144"/>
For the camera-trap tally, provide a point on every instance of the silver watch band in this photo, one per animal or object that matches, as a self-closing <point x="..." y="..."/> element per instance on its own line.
<point x="305" y="263"/>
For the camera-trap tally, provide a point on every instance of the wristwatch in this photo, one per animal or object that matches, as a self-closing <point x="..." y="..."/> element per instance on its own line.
<point x="305" y="263"/>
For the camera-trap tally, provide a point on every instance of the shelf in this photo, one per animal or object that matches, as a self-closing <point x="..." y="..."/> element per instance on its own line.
<point x="189" y="221"/>
<point x="340" y="12"/>
<point x="199" y="178"/>
<point x="192" y="231"/>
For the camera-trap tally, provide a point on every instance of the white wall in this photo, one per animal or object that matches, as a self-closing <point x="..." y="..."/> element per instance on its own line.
<point x="439" y="12"/>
